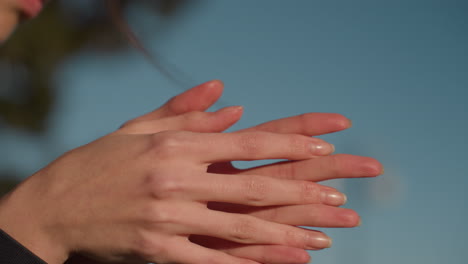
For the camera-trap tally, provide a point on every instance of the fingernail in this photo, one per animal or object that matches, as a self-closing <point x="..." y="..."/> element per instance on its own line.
<point x="318" y="242"/>
<point x="322" y="148"/>
<point x="304" y="257"/>
<point x="235" y="108"/>
<point x="333" y="198"/>
<point x="360" y="222"/>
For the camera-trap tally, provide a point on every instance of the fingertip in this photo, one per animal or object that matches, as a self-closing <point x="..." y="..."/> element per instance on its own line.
<point x="350" y="218"/>
<point x="236" y="110"/>
<point x="303" y="257"/>
<point x="350" y="123"/>
<point x="215" y="83"/>
<point x="225" y="118"/>
<point x="331" y="122"/>
<point x="342" y="122"/>
<point x="214" y="87"/>
<point x="198" y="98"/>
<point x="321" y="147"/>
<point x="372" y="167"/>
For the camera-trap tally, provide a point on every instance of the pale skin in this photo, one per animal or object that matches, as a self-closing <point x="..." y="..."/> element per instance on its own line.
<point x="161" y="189"/>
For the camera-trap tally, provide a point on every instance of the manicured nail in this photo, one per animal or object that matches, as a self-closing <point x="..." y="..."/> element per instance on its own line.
<point x="322" y="148"/>
<point x="304" y="257"/>
<point x="236" y="108"/>
<point x="333" y="198"/>
<point x="319" y="242"/>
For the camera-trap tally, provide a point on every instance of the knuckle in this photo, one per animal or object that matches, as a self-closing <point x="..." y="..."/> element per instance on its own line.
<point x="162" y="184"/>
<point x="147" y="247"/>
<point x="167" y="144"/>
<point x="255" y="189"/>
<point x="292" y="238"/>
<point x="286" y="170"/>
<point x="297" y="144"/>
<point x="250" y="143"/>
<point x="168" y="186"/>
<point x="309" y="192"/>
<point x="297" y="238"/>
<point x="333" y="165"/>
<point x="157" y="214"/>
<point x="242" y="230"/>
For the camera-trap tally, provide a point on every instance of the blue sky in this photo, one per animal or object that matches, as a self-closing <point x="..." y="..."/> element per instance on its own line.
<point x="398" y="69"/>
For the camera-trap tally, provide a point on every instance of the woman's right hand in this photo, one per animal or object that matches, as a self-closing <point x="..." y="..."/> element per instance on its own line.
<point x="138" y="197"/>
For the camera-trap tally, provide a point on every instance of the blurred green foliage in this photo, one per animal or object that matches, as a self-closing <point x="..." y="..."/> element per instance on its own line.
<point x="30" y="58"/>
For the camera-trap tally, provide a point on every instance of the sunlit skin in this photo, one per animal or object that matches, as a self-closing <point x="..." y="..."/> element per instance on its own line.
<point x="9" y="18"/>
<point x="162" y="185"/>
<point x="13" y="11"/>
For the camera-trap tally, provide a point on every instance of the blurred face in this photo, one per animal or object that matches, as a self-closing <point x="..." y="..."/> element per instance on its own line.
<point x="29" y="8"/>
<point x="12" y="10"/>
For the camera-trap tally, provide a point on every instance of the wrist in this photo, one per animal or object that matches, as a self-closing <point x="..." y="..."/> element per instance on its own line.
<point x="24" y="220"/>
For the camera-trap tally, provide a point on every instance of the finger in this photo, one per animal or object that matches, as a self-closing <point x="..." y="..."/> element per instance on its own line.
<point x="194" y="121"/>
<point x="218" y="147"/>
<point x="246" y="229"/>
<point x="256" y="191"/>
<point x="198" y="98"/>
<point x="270" y="254"/>
<point x="310" y="124"/>
<point x="321" y="168"/>
<point x="190" y="253"/>
<point x="316" y="215"/>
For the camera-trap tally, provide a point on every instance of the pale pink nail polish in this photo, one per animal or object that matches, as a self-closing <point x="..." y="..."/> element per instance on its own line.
<point x="333" y="198"/>
<point x="322" y="148"/>
<point x="318" y="242"/>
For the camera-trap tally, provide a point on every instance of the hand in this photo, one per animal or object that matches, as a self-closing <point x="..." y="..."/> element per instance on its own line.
<point x="317" y="169"/>
<point x="153" y="178"/>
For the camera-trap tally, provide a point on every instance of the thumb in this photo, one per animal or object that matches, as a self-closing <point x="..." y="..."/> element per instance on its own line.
<point x="198" y="98"/>
<point x="195" y="121"/>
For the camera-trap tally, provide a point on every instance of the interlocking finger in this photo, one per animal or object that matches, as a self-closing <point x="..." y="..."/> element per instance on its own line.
<point x="309" y="124"/>
<point x="247" y="229"/>
<point x="320" y="168"/>
<point x="194" y="121"/>
<point x="317" y="215"/>
<point x="267" y="254"/>
<point x="187" y="252"/>
<point x="219" y="147"/>
<point x="256" y="190"/>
